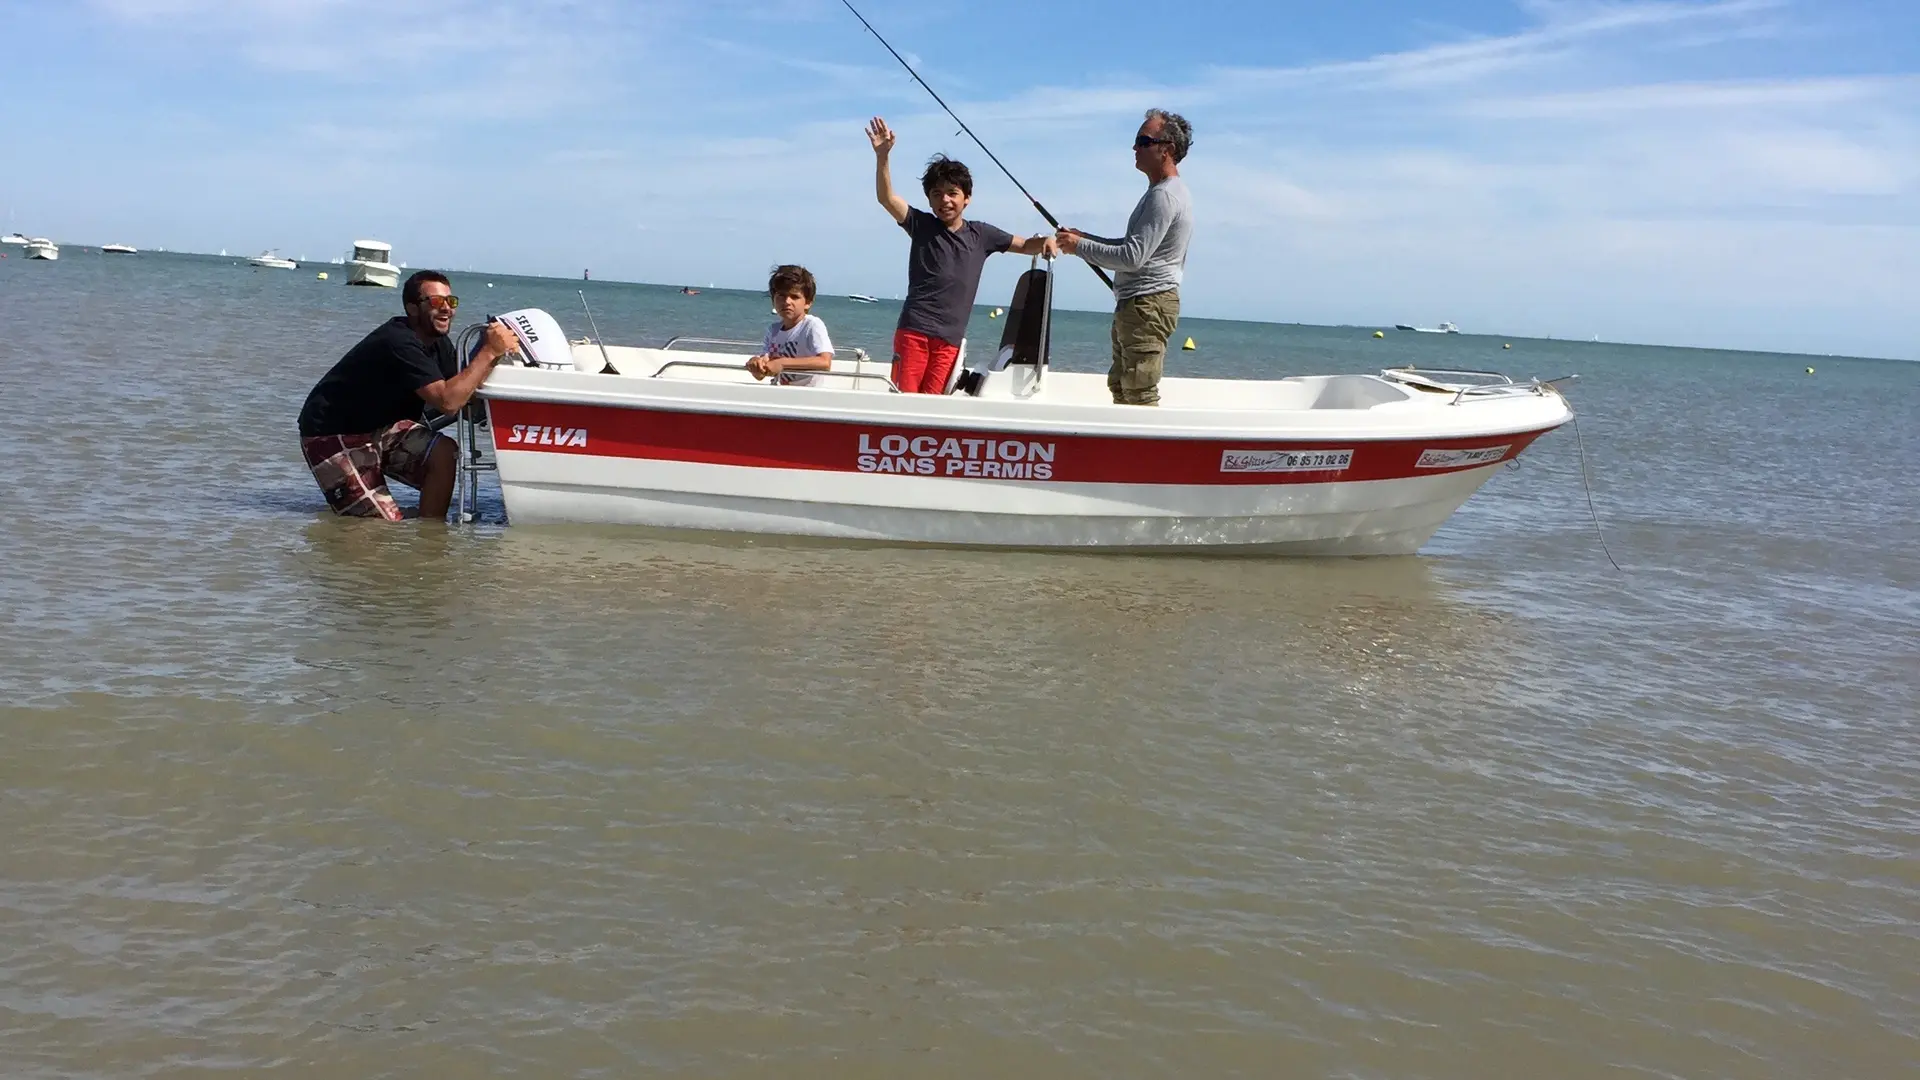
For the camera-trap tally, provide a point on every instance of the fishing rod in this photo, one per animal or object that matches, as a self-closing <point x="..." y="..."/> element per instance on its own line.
<point x="1051" y="220"/>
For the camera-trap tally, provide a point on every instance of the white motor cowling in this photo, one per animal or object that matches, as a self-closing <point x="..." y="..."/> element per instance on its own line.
<point x="542" y="341"/>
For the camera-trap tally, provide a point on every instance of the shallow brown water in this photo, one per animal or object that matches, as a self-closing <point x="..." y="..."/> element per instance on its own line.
<point x="289" y="795"/>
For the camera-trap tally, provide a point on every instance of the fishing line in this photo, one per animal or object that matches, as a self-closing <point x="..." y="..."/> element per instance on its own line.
<point x="1051" y="220"/>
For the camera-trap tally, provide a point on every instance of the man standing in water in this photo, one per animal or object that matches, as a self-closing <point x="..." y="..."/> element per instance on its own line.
<point x="1148" y="262"/>
<point x="361" y="423"/>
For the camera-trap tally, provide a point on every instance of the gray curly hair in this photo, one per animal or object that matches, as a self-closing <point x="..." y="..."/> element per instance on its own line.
<point x="1177" y="129"/>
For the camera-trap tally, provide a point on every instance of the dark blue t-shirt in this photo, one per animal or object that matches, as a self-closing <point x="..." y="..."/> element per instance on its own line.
<point x="943" y="273"/>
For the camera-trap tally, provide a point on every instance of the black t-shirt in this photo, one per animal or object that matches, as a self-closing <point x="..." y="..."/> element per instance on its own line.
<point x="374" y="384"/>
<point x="943" y="273"/>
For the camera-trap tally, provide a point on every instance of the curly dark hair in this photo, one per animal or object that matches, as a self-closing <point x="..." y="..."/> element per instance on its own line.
<point x="410" y="292"/>
<point x="943" y="171"/>
<point x="789" y="277"/>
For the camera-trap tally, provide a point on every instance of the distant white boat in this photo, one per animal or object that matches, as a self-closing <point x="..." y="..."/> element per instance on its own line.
<point x="371" y="263"/>
<point x="42" y="248"/>
<point x="863" y="298"/>
<point x="119" y="249"/>
<point x="1443" y="328"/>
<point x="272" y="261"/>
<point x="223" y="252"/>
<point x="15" y="239"/>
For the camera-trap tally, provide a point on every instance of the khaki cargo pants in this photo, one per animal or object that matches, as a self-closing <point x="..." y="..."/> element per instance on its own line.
<point x="1141" y="327"/>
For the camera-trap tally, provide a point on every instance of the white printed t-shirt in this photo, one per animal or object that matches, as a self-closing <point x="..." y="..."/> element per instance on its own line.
<point x="807" y="338"/>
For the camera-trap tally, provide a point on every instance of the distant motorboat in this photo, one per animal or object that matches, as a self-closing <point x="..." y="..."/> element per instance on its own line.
<point x="863" y="298"/>
<point x="15" y="239"/>
<point x="272" y="261"/>
<point x="1443" y="328"/>
<point x="119" y="249"/>
<point x="371" y="263"/>
<point x="42" y="248"/>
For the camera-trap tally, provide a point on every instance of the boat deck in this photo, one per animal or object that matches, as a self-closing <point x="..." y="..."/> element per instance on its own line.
<point x="859" y="373"/>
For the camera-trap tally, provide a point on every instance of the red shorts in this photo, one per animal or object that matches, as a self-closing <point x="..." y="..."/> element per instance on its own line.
<point x="922" y="364"/>
<point x="352" y="469"/>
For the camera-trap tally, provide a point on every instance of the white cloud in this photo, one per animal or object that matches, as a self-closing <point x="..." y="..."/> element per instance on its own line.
<point x="1626" y="101"/>
<point x="1612" y="167"/>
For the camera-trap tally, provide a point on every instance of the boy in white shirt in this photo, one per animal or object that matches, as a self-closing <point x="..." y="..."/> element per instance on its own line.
<point x="798" y="342"/>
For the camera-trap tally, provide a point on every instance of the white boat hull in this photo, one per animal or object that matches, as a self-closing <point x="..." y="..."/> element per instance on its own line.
<point x="1060" y="468"/>
<point x="384" y="275"/>
<point x="1388" y="517"/>
<point x="41" y="249"/>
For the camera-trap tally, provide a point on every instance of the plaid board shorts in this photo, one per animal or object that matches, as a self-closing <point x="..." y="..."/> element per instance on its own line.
<point x="353" y="469"/>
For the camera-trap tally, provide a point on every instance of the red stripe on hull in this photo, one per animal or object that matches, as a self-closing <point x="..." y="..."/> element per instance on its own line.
<point x="837" y="446"/>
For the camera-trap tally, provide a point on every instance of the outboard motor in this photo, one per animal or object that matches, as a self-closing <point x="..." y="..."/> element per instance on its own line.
<point x="542" y="342"/>
<point x="1028" y="335"/>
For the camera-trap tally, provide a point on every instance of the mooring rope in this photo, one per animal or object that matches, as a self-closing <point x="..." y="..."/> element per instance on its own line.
<point x="1586" y="482"/>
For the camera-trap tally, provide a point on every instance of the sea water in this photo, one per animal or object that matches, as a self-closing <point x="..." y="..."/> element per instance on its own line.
<point x="286" y="794"/>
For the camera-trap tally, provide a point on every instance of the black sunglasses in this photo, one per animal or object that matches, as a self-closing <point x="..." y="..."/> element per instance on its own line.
<point x="1141" y="142"/>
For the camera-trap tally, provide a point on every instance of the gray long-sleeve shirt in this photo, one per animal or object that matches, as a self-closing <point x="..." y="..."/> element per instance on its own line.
<point x="1153" y="255"/>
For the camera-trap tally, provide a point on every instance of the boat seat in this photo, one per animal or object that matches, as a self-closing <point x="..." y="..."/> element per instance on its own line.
<point x="1025" y="340"/>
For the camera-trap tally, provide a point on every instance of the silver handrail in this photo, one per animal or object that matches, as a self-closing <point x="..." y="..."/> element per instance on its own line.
<point x="859" y="354"/>
<point x="1505" y="386"/>
<point x="1411" y="370"/>
<point x="1046" y="319"/>
<point x="469" y="464"/>
<point x="856" y="376"/>
<point x="712" y="365"/>
<point x="1531" y="386"/>
<point x="671" y="342"/>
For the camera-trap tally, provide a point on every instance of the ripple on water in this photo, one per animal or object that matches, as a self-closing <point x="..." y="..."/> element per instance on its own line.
<point x="287" y="793"/>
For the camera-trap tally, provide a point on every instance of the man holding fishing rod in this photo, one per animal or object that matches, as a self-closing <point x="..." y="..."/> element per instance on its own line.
<point x="1148" y="262"/>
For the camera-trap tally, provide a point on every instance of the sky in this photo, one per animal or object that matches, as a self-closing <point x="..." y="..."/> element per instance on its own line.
<point x="1722" y="173"/>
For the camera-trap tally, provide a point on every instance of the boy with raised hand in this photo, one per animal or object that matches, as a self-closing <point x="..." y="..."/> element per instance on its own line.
<point x="943" y="264"/>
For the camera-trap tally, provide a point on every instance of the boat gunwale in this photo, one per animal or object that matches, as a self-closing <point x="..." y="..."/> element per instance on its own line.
<point x="695" y="396"/>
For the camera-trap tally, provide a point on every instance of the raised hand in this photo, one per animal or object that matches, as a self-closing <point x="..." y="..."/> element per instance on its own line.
<point x="880" y="135"/>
